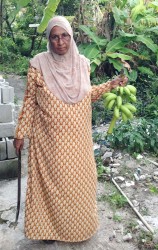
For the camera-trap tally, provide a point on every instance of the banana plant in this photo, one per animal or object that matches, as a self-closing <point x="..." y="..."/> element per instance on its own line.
<point x="130" y="27"/>
<point x="48" y="13"/>
<point x="101" y="50"/>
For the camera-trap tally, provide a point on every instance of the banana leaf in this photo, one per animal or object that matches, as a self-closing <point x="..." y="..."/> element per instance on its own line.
<point x="133" y="75"/>
<point x="97" y="61"/>
<point x="91" y="51"/>
<point x="96" y="39"/>
<point x="153" y="29"/>
<point x="49" y="11"/>
<point x="119" y="55"/>
<point x="145" y="70"/>
<point x="129" y="51"/>
<point x="117" y="64"/>
<point x="115" y="44"/>
<point x="124" y="34"/>
<point x="148" y="42"/>
<point x="119" y="15"/>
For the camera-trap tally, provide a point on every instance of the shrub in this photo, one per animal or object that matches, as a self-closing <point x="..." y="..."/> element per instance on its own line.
<point x="138" y="136"/>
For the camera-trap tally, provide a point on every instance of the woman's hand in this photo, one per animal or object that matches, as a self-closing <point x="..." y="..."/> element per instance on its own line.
<point x="18" y="145"/>
<point x="118" y="81"/>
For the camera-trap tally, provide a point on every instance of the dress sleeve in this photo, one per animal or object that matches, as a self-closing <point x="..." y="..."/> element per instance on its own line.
<point x="98" y="90"/>
<point x="26" y="116"/>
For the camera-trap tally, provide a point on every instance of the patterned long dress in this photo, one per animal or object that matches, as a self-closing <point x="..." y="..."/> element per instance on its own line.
<point x="61" y="189"/>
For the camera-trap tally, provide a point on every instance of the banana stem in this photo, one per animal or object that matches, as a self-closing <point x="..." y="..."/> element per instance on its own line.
<point x="112" y="125"/>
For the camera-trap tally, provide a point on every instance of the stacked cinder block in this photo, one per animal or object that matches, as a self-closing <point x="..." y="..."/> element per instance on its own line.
<point x="8" y="158"/>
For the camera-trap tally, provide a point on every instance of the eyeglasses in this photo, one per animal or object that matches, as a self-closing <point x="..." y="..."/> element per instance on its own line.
<point x="63" y="37"/>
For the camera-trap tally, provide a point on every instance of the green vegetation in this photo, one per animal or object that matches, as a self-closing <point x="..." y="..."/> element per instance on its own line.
<point x="117" y="218"/>
<point x="113" y="197"/>
<point x="137" y="136"/>
<point x="153" y="189"/>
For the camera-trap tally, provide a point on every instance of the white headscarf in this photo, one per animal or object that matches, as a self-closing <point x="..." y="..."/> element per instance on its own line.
<point x="67" y="76"/>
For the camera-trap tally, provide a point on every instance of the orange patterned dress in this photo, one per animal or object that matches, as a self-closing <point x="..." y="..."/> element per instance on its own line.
<point x="61" y="189"/>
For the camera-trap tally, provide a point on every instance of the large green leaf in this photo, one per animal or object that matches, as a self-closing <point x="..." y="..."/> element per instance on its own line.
<point x="93" y="67"/>
<point x="115" y="44"/>
<point x="145" y="70"/>
<point x="97" y="61"/>
<point x="119" y="55"/>
<point x="134" y="53"/>
<point x="149" y="20"/>
<point x="99" y="41"/>
<point x="138" y="10"/>
<point x="129" y="51"/>
<point x="153" y="29"/>
<point x="91" y="51"/>
<point x="117" y="64"/>
<point x="122" y="33"/>
<point x="133" y="75"/>
<point x="117" y="15"/>
<point x="148" y="42"/>
<point x="48" y="14"/>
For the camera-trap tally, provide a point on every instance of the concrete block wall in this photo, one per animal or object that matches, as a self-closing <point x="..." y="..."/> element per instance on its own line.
<point x="6" y="113"/>
<point x="8" y="158"/>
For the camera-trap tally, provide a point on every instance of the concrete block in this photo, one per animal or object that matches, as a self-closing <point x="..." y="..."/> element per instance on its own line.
<point x="8" y="169"/>
<point x="7" y="94"/>
<point x="10" y="149"/>
<point x="7" y="129"/>
<point x="3" y="149"/>
<point x="11" y="94"/>
<point x="6" y="113"/>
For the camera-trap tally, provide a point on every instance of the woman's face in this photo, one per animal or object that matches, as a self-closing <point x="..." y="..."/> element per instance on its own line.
<point x="60" y="40"/>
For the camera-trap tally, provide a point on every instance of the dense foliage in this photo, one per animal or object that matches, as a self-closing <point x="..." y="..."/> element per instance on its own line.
<point x="138" y="136"/>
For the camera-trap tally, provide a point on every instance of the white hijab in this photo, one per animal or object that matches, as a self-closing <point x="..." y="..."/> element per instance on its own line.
<point x="67" y="76"/>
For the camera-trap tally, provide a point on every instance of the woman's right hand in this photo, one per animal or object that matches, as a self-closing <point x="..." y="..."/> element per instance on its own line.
<point x="18" y="145"/>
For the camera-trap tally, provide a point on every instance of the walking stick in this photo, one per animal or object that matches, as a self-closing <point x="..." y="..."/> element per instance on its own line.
<point x="19" y="188"/>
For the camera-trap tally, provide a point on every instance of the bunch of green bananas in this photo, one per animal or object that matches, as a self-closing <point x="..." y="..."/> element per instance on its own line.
<point x="119" y="100"/>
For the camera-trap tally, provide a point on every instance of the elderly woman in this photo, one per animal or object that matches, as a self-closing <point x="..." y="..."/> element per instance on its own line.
<point x="56" y="117"/>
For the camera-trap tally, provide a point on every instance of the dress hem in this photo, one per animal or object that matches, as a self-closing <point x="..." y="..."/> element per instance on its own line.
<point x="63" y="240"/>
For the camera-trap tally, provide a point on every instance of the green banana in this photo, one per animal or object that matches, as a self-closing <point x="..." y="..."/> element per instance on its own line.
<point x="121" y="90"/>
<point x="126" y="90"/>
<point x="132" y="89"/>
<point x="119" y="101"/>
<point x="106" y="94"/>
<point x="110" y="97"/>
<point x="112" y="125"/>
<point x="131" y="107"/>
<point x="126" y="111"/>
<point x="124" y="117"/>
<point x="110" y="104"/>
<point x="133" y="98"/>
<point x="116" y="112"/>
